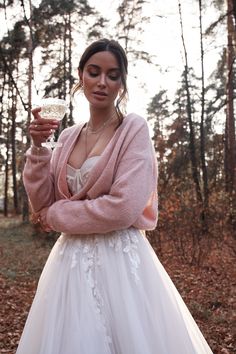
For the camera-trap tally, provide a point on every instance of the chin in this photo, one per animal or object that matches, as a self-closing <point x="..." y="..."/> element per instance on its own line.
<point x="97" y="104"/>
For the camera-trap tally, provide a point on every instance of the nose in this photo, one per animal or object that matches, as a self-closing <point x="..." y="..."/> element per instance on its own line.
<point x="102" y="80"/>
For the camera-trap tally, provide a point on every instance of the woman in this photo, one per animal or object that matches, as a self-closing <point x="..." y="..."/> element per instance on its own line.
<point x="103" y="289"/>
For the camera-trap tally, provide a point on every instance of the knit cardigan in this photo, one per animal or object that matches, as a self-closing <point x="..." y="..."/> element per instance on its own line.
<point x="121" y="190"/>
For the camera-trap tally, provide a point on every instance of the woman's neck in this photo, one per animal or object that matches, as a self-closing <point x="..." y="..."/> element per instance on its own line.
<point x="99" y="117"/>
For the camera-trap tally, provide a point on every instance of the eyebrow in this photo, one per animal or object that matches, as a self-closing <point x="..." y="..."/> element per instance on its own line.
<point x="98" y="67"/>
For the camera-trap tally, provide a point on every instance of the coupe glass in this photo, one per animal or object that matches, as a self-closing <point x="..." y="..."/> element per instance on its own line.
<point x="52" y="108"/>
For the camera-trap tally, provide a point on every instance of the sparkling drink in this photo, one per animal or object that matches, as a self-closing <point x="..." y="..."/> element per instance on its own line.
<point x="52" y="108"/>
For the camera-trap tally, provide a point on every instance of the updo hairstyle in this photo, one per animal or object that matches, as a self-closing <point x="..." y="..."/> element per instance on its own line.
<point x="115" y="48"/>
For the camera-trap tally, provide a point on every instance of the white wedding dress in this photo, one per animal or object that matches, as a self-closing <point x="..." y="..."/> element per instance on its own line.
<point x="107" y="294"/>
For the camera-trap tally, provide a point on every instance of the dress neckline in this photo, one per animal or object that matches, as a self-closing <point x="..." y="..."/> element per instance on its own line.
<point x="83" y="164"/>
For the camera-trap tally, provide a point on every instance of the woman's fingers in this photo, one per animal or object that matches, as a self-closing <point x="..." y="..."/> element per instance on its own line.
<point x="42" y="121"/>
<point x="41" y="128"/>
<point x="35" y="112"/>
<point x="43" y="221"/>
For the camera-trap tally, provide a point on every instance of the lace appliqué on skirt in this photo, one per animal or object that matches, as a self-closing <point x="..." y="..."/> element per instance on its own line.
<point x="84" y="251"/>
<point x="127" y="241"/>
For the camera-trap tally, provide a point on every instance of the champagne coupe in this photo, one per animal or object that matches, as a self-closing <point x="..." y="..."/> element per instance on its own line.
<point x="52" y="108"/>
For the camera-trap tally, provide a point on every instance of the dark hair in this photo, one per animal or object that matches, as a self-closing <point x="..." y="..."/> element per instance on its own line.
<point x="115" y="48"/>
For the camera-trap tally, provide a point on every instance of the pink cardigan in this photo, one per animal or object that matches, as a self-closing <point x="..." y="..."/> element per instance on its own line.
<point x="121" y="190"/>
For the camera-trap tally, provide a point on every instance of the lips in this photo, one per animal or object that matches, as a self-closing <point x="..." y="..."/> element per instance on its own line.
<point x="100" y="93"/>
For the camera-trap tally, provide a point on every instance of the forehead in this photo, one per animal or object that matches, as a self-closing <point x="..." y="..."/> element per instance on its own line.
<point x="105" y="60"/>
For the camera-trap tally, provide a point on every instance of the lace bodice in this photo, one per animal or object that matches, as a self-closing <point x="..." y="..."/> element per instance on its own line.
<point x="76" y="178"/>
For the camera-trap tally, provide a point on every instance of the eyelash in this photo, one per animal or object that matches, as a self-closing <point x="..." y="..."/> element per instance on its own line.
<point x="113" y="78"/>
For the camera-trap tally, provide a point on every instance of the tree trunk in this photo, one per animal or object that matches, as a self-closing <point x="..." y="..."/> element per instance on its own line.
<point x="13" y="150"/>
<point x="70" y="118"/>
<point x="6" y="185"/>
<point x="4" y="82"/>
<point x="202" y="130"/>
<point x="25" y="208"/>
<point x="189" y="115"/>
<point x="65" y="51"/>
<point x="230" y="146"/>
<point x="230" y="121"/>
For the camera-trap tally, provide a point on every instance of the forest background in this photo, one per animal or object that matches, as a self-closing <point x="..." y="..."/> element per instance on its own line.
<point x="182" y="79"/>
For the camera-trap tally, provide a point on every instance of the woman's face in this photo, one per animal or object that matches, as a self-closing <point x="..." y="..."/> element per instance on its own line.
<point x="101" y="79"/>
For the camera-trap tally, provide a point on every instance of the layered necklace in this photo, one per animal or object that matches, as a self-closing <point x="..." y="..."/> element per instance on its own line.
<point x="99" y="131"/>
<point x="95" y="131"/>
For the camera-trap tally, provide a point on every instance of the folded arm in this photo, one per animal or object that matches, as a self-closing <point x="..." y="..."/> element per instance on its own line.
<point x="134" y="182"/>
<point x="117" y="210"/>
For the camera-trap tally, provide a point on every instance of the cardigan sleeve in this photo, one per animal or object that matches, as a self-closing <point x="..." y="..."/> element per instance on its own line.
<point x="38" y="179"/>
<point x="39" y="172"/>
<point x="133" y="186"/>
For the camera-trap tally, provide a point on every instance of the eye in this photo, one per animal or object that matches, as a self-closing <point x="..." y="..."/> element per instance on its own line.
<point x="114" y="77"/>
<point x="93" y="74"/>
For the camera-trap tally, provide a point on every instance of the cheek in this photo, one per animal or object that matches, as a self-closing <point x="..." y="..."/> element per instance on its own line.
<point x="116" y="87"/>
<point x="86" y="81"/>
<point x="86" y="87"/>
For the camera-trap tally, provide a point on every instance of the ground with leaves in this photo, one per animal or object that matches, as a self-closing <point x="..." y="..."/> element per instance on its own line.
<point x="209" y="290"/>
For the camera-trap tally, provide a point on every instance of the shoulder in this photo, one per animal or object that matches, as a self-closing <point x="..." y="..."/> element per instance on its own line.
<point x="133" y="135"/>
<point x="133" y="119"/>
<point x="132" y="141"/>
<point x="134" y="124"/>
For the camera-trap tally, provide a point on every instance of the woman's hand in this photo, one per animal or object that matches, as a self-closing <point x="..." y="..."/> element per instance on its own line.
<point x="42" y="220"/>
<point x="41" y="128"/>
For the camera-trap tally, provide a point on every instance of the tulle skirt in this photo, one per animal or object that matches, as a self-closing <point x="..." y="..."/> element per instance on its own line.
<point x="108" y="294"/>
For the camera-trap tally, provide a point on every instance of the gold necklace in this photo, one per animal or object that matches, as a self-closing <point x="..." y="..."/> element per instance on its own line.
<point x="98" y="137"/>
<point x="92" y="131"/>
<point x="86" y="142"/>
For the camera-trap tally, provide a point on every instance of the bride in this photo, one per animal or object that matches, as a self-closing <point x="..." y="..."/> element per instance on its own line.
<point x="103" y="289"/>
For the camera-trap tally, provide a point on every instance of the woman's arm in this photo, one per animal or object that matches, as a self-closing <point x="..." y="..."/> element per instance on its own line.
<point x="38" y="178"/>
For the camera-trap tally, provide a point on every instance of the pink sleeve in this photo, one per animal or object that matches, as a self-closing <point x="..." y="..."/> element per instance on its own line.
<point x="134" y="183"/>
<point x="38" y="179"/>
